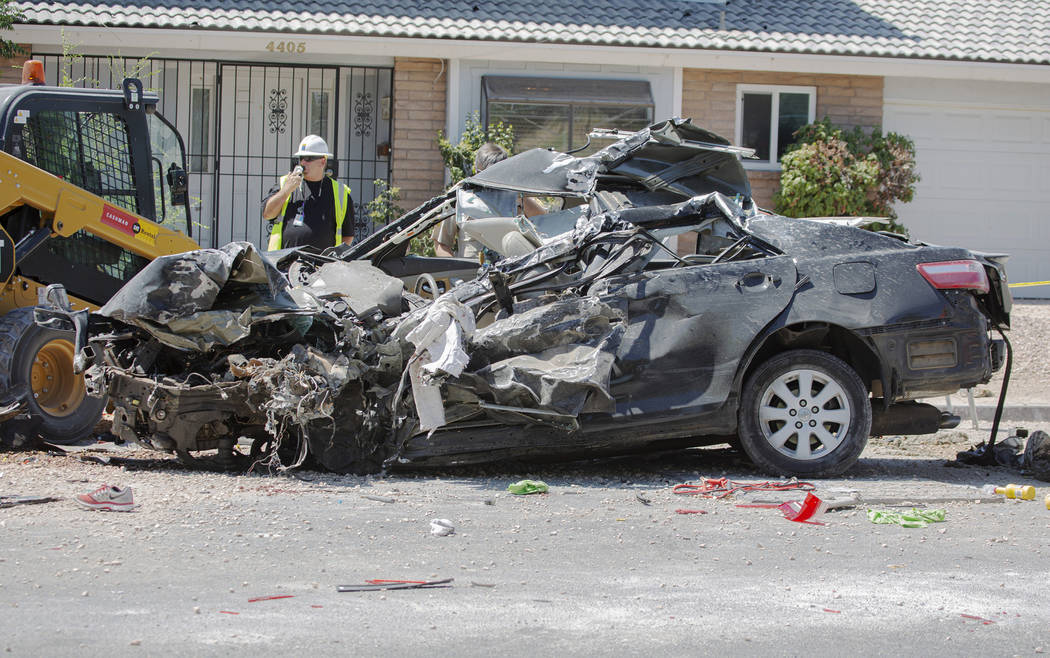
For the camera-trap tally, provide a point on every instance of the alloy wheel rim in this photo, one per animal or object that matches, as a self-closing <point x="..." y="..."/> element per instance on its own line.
<point x="804" y="414"/>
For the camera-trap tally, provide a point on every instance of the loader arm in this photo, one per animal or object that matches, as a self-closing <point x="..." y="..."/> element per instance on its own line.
<point x="65" y="209"/>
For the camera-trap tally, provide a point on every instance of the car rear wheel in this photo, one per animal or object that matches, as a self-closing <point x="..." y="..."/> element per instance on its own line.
<point x="804" y="413"/>
<point x="42" y="360"/>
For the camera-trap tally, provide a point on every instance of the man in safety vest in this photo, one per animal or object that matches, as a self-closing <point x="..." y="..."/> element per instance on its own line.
<point x="306" y="207"/>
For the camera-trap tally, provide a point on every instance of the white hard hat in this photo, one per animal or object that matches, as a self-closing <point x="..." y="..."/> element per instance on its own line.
<point x="312" y="145"/>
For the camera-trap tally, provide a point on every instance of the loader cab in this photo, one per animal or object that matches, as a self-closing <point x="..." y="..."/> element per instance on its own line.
<point x="112" y="143"/>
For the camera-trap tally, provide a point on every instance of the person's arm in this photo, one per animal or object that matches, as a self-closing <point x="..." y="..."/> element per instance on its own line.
<point x="444" y="236"/>
<point x="531" y="207"/>
<point x="275" y="201"/>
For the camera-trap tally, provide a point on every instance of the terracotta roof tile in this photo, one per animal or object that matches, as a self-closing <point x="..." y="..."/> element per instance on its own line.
<point x="974" y="30"/>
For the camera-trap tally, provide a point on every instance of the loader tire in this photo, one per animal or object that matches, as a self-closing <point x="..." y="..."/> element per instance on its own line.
<point x="42" y="360"/>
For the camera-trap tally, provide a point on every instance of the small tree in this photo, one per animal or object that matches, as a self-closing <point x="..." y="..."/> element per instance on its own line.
<point x="383" y="209"/>
<point x="459" y="157"/>
<point x="9" y="15"/>
<point x="831" y="172"/>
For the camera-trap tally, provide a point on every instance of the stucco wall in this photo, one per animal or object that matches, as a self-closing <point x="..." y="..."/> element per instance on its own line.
<point x="419" y="113"/>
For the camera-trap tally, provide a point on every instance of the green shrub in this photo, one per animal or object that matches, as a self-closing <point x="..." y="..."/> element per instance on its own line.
<point x="832" y="172"/>
<point x="459" y="157"/>
<point x="9" y="15"/>
<point x="383" y="209"/>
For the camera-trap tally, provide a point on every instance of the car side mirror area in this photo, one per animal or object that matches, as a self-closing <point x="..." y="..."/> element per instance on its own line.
<point x="178" y="183"/>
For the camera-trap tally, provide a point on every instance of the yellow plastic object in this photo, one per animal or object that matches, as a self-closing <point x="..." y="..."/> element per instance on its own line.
<point x="1026" y="492"/>
<point x="1047" y="501"/>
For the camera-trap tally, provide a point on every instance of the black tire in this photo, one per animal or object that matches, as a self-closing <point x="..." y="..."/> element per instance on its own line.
<point x="778" y="428"/>
<point x="41" y="359"/>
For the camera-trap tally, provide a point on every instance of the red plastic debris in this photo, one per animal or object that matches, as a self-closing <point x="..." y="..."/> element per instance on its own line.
<point x="837" y="612"/>
<point x="228" y="612"/>
<point x="807" y="511"/>
<point x="690" y="511"/>
<point x="722" y="487"/>
<point x="976" y="618"/>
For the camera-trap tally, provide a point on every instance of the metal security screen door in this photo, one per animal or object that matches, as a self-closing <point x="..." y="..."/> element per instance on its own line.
<point x="266" y="110"/>
<point x="241" y="123"/>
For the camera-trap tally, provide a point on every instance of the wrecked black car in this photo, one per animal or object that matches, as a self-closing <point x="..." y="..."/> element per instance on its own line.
<point x="796" y="338"/>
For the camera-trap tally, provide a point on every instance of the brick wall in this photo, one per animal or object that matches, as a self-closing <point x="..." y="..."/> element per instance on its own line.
<point x="419" y="113"/>
<point x="709" y="98"/>
<point x="11" y="67"/>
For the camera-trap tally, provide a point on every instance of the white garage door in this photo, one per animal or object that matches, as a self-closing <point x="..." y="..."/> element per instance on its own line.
<point x="983" y="151"/>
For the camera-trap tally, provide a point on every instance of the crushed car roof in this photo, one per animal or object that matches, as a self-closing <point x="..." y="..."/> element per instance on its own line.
<point x="666" y="162"/>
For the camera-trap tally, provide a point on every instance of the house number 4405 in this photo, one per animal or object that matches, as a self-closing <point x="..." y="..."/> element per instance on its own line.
<point x="286" y="47"/>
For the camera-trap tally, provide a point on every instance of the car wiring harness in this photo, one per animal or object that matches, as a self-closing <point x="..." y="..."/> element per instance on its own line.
<point x="723" y="487"/>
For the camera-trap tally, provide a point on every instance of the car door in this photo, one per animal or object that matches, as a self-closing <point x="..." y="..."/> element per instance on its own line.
<point x="688" y="328"/>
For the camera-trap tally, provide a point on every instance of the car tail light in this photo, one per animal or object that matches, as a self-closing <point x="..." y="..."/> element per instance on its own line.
<point x="955" y="274"/>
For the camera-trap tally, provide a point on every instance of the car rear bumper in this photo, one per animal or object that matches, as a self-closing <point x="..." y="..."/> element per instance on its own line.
<point x="938" y="357"/>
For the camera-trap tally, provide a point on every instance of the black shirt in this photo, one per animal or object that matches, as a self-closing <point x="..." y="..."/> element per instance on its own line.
<point x="318" y="227"/>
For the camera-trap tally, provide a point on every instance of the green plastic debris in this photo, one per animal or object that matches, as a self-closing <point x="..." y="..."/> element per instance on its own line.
<point x="524" y="487"/>
<point x="915" y="518"/>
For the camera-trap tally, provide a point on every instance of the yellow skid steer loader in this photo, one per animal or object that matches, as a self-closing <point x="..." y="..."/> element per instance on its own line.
<point x="93" y="186"/>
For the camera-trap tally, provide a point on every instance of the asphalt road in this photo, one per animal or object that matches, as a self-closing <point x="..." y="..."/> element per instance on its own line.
<point x="602" y="564"/>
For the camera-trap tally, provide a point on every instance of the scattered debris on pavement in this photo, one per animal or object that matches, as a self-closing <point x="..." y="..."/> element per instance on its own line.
<point x="808" y="510"/>
<point x="525" y="487"/>
<point x="107" y="498"/>
<point x="1028" y="454"/>
<point x="11" y="501"/>
<point x="914" y="518"/>
<point x="1015" y="491"/>
<point x="384" y="585"/>
<point x="724" y="487"/>
<point x="441" y="527"/>
<point x="271" y="598"/>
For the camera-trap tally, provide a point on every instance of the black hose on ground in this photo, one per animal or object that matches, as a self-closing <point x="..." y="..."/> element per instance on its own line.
<point x="989" y="456"/>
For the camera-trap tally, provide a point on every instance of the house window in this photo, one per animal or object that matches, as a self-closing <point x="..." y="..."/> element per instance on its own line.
<point x="319" y="113"/>
<point x="767" y="118"/>
<point x="559" y="112"/>
<point x="200" y="125"/>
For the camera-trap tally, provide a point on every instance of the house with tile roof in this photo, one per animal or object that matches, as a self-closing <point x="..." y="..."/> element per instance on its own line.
<point x="968" y="80"/>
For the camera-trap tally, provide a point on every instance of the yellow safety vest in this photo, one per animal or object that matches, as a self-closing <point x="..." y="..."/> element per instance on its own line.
<point x="339" y="192"/>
